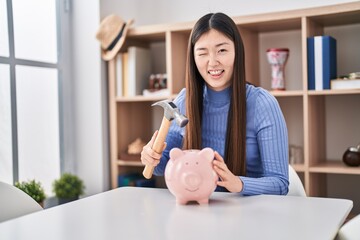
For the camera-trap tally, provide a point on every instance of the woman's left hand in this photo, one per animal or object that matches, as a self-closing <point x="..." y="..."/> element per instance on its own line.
<point x="228" y="180"/>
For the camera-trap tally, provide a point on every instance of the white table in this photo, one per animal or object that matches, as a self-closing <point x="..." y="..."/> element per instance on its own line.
<point x="146" y="213"/>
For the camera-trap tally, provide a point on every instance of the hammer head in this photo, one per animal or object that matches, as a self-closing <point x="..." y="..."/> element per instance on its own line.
<point x="171" y="112"/>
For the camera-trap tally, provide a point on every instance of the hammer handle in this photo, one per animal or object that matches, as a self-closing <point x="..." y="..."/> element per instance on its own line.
<point x="158" y="145"/>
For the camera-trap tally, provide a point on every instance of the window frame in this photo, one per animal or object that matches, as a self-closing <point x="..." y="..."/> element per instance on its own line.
<point x="63" y="66"/>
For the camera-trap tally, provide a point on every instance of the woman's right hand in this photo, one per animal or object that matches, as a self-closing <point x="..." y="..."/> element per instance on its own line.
<point x="148" y="155"/>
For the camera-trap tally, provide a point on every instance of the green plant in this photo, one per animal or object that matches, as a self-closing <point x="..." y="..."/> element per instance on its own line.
<point x="33" y="189"/>
<point x="68" y="186"/>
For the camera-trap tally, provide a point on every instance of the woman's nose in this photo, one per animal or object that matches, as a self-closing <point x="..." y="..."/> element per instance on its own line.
<point x="213" y="61"/>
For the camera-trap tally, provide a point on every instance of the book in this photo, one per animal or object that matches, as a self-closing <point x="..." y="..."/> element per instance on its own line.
<point x="119" y="75"/>
<point x="345" y="84"/>
<point x="321" y="53"/>
<point x="125" y="73"/>
<point x="310" y="62"/>
<point x="139" y="70"/>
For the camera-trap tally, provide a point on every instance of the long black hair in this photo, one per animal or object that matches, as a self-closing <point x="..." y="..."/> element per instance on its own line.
<point x="236" y="127"/>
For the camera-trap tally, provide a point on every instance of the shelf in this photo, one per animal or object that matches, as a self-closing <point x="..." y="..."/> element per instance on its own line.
<point x="291" y="93"/>
<point x="141" y="99"/>
<point x="350" y="16"/>
<point x="337" y="167"/>
<point x="270" y="25"/>
<point x="129" y="163"/>
<point x="147" y="33"/>
<point x="299" y="167"/>
<point x="333" y="92"/>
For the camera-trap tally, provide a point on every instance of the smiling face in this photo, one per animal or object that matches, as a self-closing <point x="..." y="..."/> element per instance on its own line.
<point x="214" y="57"/>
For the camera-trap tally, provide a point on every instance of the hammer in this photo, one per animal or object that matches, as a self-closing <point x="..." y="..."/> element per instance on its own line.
<point x="171" y="112"/>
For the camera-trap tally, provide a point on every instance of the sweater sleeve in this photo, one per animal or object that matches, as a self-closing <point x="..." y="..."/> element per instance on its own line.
<point x="272" y="141"/>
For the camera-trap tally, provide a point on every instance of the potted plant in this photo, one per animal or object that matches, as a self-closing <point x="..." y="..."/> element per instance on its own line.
<point x="68" y="188"/>
<point x="34" y="189"/>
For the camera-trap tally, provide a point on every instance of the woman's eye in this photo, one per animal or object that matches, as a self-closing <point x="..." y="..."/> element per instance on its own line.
<point x="222" y="50"/>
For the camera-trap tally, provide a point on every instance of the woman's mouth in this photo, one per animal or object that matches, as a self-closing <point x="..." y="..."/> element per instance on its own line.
<point x="215" y="73"/>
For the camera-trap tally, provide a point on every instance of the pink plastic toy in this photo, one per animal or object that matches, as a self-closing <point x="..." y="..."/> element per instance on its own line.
<point x="189" y="175"/>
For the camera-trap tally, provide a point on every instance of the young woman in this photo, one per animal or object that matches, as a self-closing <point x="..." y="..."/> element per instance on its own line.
<point x="242" y="123"/>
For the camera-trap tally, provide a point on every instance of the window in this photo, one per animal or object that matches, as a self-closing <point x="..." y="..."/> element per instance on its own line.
<point x="4" y="43"/>
<point x="30" y="90"/>
<point x="6" y="163"/>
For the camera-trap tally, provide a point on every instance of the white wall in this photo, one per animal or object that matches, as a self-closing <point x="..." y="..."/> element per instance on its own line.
<point x="91" y="140"/>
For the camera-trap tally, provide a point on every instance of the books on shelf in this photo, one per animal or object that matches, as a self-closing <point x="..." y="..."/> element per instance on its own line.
<point x="133" y="69"/>
<point x="119" y="75"/>
<point x="139" y="66"/>
<point x="345" y="84"/>
<point x="321" y="53"/>
<point x="125" y="75"/>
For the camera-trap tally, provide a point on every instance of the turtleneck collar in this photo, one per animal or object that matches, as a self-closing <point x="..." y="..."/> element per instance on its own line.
<point x="220" y="97"/>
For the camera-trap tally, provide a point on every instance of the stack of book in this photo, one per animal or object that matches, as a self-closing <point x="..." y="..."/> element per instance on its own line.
<point x="321" y="53"/>
<point x="351" y="81"/>
<point x="133" y="69"/>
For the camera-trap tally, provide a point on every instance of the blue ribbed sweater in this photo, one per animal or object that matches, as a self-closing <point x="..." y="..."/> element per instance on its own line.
<point x="266" y="138"/>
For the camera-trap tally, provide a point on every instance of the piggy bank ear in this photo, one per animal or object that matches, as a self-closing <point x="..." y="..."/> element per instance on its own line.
<point x="175" y="153"/>
<point x="207" y="153"/>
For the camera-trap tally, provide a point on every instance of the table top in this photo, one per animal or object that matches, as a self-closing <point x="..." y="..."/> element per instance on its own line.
<point x="150" y="213"/>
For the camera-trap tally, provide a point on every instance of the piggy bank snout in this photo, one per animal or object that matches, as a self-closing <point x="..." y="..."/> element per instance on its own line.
<point x="191" y="180"/>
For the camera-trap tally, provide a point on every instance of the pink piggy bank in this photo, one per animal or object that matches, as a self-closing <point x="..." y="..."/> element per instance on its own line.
<point x="189" y="175"/>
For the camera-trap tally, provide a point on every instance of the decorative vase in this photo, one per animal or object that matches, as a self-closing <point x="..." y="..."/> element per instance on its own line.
<point x="277" y="58"/>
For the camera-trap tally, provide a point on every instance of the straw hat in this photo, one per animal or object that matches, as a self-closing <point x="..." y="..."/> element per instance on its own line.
<point x="111" y="34"/>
